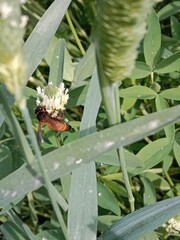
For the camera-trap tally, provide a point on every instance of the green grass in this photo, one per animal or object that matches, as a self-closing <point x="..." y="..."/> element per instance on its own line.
<point x="72" y="186"/>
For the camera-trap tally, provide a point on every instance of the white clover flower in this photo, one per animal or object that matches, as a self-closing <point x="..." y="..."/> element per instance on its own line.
<point x="173" y="225"/>
<point x="52" y="97"/>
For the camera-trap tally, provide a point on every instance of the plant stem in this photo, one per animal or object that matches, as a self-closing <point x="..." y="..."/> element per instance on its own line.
<point x="74" y="33"/>
<point x="122" y="161"/>
<point x="169" y="179"/>
<point x="49" y="186"/>
<point x="110" y="96"/>
<point x="15" y="127"/>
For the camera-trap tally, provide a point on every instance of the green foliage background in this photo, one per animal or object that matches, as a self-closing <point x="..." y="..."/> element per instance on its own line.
<point x="88" y="188"/>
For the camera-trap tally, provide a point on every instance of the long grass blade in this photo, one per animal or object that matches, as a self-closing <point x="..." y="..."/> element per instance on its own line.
<point x="63" y="161"/>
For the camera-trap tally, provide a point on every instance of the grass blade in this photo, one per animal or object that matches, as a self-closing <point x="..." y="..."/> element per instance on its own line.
<point x="142" y="221"/>
<point x="81" y="219"/>
<point x="33" y="48"/>
<point x="61" y="162"/>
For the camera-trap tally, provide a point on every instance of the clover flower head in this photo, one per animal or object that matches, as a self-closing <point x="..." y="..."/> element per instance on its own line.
<point x="173" y="225"/>
<point x="52" y="97"/>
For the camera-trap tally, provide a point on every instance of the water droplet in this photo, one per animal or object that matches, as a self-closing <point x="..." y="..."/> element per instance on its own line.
<point x="56" y="166"/>
<point x="7" y="193"/>
<point x="14" y="194"/>
<point x="99" y="194"/>
<point x="109" y="144"/>
<point x="79" y="161"/>
<point x="122" y="138"/>
<point x="90" y="191"/>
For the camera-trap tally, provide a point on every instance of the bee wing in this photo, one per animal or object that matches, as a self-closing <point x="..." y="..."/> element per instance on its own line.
<point x="58" y="125"/>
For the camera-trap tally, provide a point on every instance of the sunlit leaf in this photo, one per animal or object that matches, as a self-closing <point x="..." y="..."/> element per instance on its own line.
<point x="33" y="48"/>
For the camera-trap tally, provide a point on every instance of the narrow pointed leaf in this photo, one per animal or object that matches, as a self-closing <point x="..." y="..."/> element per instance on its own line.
<point x="62" y="161"/>
<point x="140" y="222"/>
<point x="169" y="9"/>
<point x="83" y="181"/>
<point x="175" y="27"/>
<point x="39" y="40"/>
<point x="57" y="63"/>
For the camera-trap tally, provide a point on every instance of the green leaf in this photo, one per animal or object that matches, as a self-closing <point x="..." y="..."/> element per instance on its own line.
<point x="106" y="199"/>
<point x="33" y="49"/>
<point x="57" y="63"/>
<point x="62" y="161"/>
<point x="169" y="42"/>
<point x="173" y="94"/>
<point x="1" y="118"/>
<point x="6" y="161"/>
<point x="175" y="28"/>
<point x="16" y="229"/>
<point x="169" y="64"/>
<point x="85" y="67"/>
<point x="150" y="236"/>
<point x="157" y="181"/>
<point x="139" y="92"/>
<point x="162" y="104"/>
<point x="31" y="96"/>
<point x="133" y="164"/>
<point x="11" y="231"/>
<point x="83" y="180"/>
<point x="165" y="53"/>
<point x="154" y="152"/>
<point x="2" y="128"/>
<point x="152" y="40"/>
<point x="149" y="194"/>
<point x="78" y="96"/>
<point x="140" y="222"/>
<point x="167" y="162"/>
<point x="176" y="149"/>
<point x="53" y="234"/>
<point x="128" y="103"/>
<point x="169" y="9"/>
<point x="22" y="228"/>
<point x="115" y="187"/>
<point x="68" y="70"/>
<point x="105" y="221"/>
<point x="141" y="70"/>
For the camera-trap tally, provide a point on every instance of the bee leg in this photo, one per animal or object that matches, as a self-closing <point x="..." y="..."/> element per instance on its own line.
<point x="40" y="139"/>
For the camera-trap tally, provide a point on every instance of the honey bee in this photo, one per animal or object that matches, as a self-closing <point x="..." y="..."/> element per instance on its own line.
<point x="54" y="123"/>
